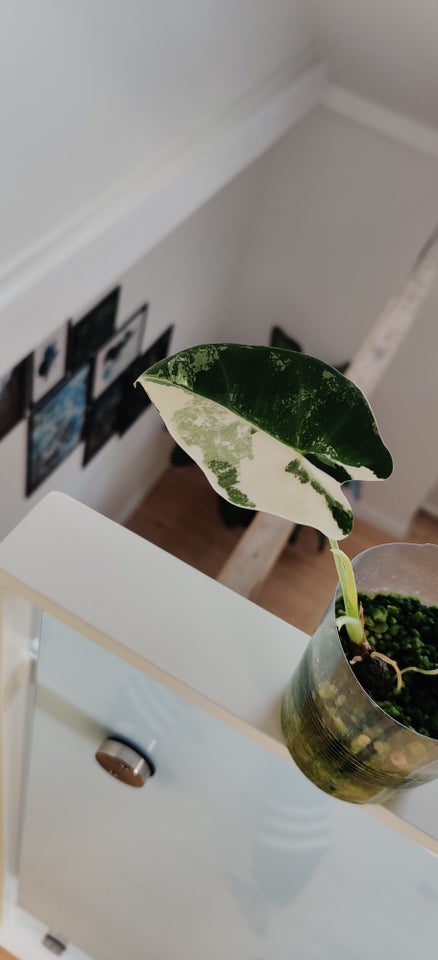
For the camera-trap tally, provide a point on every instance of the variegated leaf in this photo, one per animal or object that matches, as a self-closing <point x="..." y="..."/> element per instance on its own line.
<point x="272" y="429"/>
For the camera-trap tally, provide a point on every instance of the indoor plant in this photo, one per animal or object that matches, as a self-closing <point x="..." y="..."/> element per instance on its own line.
<point x="278" y="431"/>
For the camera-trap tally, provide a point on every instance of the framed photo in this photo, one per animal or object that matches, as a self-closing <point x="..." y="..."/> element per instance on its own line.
<point x="55" y="427"/>
<point x="116" y="355"/>
<point x="14" y="392"/>
<point x="102" y="420"/>
<point x="88" y="335"/>
<point x="49" y="363"/>
<point x="135" y="401"/>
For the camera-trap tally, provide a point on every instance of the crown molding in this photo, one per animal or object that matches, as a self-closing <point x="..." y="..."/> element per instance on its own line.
<point x="420" y="137"/>
<point x="66" y="270"/>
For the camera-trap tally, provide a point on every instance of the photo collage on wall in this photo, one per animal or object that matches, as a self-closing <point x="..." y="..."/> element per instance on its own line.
<point x="14" y="395"/>
<point x="78" y="386"/>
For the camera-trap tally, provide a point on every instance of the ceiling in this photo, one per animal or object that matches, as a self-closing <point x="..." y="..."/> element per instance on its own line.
<point x="382" y="50"/>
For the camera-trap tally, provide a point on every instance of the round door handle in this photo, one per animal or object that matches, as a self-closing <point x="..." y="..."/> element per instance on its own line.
<point x="124" y="762"/>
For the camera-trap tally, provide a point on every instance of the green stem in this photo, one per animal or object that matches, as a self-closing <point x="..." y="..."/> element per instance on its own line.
<point x="352" y="620"/>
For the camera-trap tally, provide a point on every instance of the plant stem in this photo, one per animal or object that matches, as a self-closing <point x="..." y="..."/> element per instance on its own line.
<point x="353" y="620"/>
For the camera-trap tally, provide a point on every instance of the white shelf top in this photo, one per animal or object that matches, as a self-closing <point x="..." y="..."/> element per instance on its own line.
<point x="215" y="648"/>
<point x="179" y="626"/>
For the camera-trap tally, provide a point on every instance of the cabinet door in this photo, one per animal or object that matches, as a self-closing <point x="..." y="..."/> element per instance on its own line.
<point x="226" y="852"/>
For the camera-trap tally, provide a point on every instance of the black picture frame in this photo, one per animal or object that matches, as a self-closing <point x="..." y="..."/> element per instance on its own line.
<point x="14" y="395"/>
<point x="88" y="335"/>
<point x="118" y="352"/>
<point x="56" y="426"/>
<point x="102" y="420"/>
<point x="135" y="400"/>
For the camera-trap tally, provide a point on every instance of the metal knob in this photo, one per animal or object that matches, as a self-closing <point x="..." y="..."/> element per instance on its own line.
<point x="55" y="944"/>
<point x="124" y="762"/>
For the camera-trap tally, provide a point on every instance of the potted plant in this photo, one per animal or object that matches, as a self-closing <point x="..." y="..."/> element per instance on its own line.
<point x="279" y="431"/>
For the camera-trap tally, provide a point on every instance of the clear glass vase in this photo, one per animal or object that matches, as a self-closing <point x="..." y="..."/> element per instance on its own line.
<point x="338" y="736"/>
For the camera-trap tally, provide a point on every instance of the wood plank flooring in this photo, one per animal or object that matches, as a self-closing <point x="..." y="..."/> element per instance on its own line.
<point x="181" y="515"/>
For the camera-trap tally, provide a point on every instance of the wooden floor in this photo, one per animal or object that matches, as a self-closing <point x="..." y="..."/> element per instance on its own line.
<point x="181" y="515"/>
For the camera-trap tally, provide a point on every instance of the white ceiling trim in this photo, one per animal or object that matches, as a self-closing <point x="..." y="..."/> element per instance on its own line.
<point x="82" y="259"/>
<point x="391" y="124"/>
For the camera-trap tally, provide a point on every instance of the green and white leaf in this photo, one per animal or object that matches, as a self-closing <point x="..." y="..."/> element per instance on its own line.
<point x="272" y="429"/>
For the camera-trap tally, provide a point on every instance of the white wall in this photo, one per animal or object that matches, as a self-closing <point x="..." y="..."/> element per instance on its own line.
<point x="328" y="222"/>
<point x="186" y="281"/>
<point x="93" y="92"/>
<point x="343" y="215"/>
<point x="118" y="121"/>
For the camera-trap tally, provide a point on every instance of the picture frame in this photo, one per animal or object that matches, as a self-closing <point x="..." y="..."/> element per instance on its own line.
<point x="88" y="335"/>
<point x="135" y="400"/>
<point x="102" y="420"/>
<point x="55" y="427"/>
<point x="118" y="352"/>
<point x="49" y="363"/>
<point x="14" y="395"/>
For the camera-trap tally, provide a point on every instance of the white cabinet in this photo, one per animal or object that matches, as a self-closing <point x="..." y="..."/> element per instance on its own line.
<point x="227" y="851"/>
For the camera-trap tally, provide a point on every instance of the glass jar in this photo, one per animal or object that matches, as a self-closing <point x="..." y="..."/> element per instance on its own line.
<point x="337" y="735"/>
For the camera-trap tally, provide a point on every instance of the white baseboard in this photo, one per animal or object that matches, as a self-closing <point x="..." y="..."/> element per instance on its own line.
<point x="131" y="506"/>
<point x="159" y="466"/>
<point x="430" y="507"/>
<point x="378" y="518"/>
